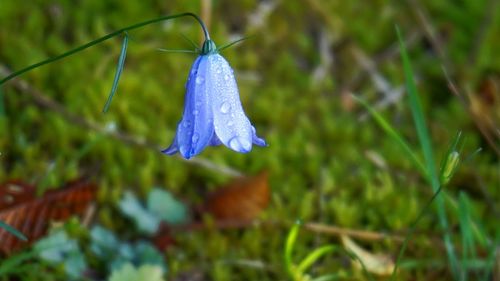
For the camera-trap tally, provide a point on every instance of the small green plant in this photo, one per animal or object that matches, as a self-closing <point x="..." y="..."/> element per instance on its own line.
<point x="160" y="206"/>
<point x="299" y="272"/>
<point x="61" y="248"/>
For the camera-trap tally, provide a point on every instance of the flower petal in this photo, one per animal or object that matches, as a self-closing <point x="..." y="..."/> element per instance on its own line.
<point x="196" y="128"/>
<point x="232" y="126"/>
<point x="256" y="140"/>
<point x="172" y="149"/>
<point x="215" y="141"/>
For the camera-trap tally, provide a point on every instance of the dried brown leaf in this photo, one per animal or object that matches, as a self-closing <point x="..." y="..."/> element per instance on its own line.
<point x="241" y="200"/>
<point x="32" y="215"/>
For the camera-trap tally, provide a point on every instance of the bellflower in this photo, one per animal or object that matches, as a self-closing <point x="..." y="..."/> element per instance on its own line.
<point x="213" y="114"/>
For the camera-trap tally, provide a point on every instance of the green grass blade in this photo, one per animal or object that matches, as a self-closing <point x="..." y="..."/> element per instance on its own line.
<point x="468" y="244"/>
<point x="119" y="69"/>
<point x="225" y="46"/>
<point x="289" y="245"/>
<point x="191" y="42"/>
<point x="411" y="231"/>
<point x="314" y="256"/>
<point x="418" y="116"/>
<point x="12" y="263"/>
<point x="425" y="142"/>
<point x="389" y="130"/>
<point x="13" y="231"/>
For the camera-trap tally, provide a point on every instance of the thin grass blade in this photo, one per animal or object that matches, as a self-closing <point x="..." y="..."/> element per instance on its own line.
<point x="223" y="47"/>
<point x="289" y="245"/>
<point x="118" y="73"/>
<point x="389" y="130"/>
<point x="15" y="262"/>
<point x="425" y="143"/>
<point x="468" y="243"/>
<point x="191" y="42"/>
<point x="314" y="256"/>
<point x="13" y="231"/>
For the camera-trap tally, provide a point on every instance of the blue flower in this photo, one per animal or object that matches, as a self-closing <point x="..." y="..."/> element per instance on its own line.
<point x="213" y="114"/>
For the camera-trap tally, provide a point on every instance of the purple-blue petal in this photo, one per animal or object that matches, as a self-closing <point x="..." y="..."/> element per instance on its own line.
<point x="215" y="141"/>
<point x="256" y="140"/>
<point x="172" y="149"/>
<point x="195" y="130"/>
<point x="231" y="124"/>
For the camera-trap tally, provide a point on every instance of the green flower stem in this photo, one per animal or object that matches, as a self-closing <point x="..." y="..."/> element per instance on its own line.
<point x="104" y="38"/>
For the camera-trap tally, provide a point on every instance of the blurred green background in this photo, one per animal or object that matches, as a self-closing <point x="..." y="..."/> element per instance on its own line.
<point x="328" y="161"/>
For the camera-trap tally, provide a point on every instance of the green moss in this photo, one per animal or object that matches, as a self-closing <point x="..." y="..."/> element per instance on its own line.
<point x="316" y="147"/>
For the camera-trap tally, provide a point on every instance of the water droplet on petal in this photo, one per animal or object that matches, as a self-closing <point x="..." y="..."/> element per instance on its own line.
<point x="225" y="107"/>
<point x="240" y="144"/>
<point x="186" y="124"/>
<point x="226" y="77"/>
<point x="230" y="123"/>
<point x="196" y="112"/>
<point x="218" y="70"/>
<point x="183" y="150"/>
<point x="195" y="137"/>
<point x="200" y="80"/>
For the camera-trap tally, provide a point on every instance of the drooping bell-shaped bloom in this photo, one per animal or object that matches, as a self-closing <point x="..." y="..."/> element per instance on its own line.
<point x="213" y="114"/>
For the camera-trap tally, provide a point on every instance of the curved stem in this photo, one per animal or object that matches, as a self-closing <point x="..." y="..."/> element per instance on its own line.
<point x="104" y="38"/>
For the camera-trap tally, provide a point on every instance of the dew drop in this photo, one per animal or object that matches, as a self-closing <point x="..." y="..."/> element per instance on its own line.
<point x="196" y="112"/>
<point x="246" y="144"/>
<point x="183" y="150"/>
<point x="195" y="138"/>
<point x="240" y="144"/>
<point x="186" y="124"/>
<point x="200" y="80"/>
<point x="230" y="123"/>
<point x="226" y="77"/>
<point x="225" y="107"/>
